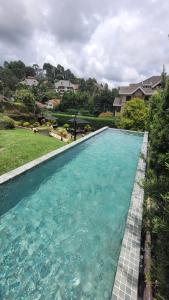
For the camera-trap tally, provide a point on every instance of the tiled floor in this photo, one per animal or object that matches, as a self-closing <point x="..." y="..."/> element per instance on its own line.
<point x="126" y="280"/>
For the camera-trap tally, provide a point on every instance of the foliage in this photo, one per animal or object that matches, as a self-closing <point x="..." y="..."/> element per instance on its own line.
<point x="62" y="131"/>
<point x="107" y="114"/>
<point x="48" y="95"/>
<point x="157" y="187"/>
<point x="66" y="126"/>
<point x="88" y="128"/>
<point x="134" y="115"/>
<point x="103" y="101"/>
<point x="26" y="124"/>
<point x="18" y="123"/>
<point x="26" y="97"/>
<point x="6" y="122"/>
<point x="95" y="122"/>
<point x="36" y="124"/>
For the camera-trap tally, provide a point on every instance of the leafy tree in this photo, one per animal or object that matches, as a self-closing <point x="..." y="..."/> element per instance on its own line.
<point x="103" y="101"/>
<point x="26" y="97"/>
<point x="157" y="187"/>
<point x="30" y="71"/>
<point x="134" y="115"/>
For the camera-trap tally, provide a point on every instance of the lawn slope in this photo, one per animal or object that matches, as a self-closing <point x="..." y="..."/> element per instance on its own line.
<point x="20" y="146"/>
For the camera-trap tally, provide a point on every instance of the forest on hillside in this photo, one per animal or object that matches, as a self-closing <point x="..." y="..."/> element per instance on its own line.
<point x="91" y="98"/>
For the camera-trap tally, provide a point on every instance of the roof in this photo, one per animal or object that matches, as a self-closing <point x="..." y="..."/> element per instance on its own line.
<point x="66" y="83"/>
<point x="39" y="104"/>
<point x="30" y="81"/>
<point x="129" y="90"/>
<point x="146" y="86"/>
<point x="117" y="102"/>
<point x="54" y="102"/>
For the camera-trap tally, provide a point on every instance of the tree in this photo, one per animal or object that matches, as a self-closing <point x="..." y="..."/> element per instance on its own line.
<point x="26" y="97"/>
<point x="157" y="187"/>
<point x="30" y="71"/>
<point x="134" y="115"/>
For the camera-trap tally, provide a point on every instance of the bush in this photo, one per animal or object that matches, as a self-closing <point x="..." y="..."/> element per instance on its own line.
<point x="36" y="124"/>
<point x="62" y="132"/>
<point x="95" y="123"/>
<point x="134" y="115"/>
<point x="18" y="123"/>
<point x="88" y="128"/>
<point x="107" y="114"/>
<point x="26" y="124"/>
<point x="66" y="126"/>
<point x="6" y="123"/>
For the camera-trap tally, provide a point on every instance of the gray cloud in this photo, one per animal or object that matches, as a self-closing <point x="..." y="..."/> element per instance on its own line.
<point x="115" y="41"/>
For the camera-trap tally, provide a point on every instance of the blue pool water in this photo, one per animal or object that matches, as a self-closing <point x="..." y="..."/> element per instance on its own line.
<point x="62" y="223"/>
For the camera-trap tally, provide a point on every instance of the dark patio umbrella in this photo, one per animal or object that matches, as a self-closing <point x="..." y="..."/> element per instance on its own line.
<point x="75" y="121"/>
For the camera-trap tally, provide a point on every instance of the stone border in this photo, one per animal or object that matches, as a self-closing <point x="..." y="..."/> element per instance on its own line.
<point x="18" y="171"/>
<point x="126" y="279"/>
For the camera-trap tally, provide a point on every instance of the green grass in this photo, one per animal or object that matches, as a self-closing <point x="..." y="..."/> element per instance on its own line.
<point x="20" y="146"/>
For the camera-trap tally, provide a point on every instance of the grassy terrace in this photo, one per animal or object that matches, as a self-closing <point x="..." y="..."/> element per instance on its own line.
<point x="20" y="146"/>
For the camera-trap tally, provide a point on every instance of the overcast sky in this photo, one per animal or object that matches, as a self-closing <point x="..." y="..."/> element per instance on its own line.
<point x="118" y="41"/>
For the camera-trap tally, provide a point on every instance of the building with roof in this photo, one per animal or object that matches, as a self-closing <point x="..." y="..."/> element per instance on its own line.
<point x="30" y="81"/>
<point x="143" y="90"/>
<point x="53" y="103"/>
<point x="63" y="86"/>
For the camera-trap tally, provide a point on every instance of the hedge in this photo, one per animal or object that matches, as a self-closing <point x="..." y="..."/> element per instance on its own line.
<point x="95" y="122"/>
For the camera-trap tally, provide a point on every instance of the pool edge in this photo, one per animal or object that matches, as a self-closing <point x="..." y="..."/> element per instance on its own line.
<point x="126" y="279"/>
<point x="26" y="167"/>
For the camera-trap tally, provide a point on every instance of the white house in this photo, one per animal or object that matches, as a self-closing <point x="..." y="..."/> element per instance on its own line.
<point x="63" y="86"/>
<point x="30" y="81"/>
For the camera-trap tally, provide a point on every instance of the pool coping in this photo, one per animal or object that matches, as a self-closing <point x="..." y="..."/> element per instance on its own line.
<point x="126" y="279"/>
<point x="26" y="167"/>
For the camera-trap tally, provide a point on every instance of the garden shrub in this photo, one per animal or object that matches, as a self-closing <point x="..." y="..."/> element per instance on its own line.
<point x="36" y="124"/>
<point x="6" y="123"/>
<point x="26" y="124"/>
<point x="107" y="114"/>
<point x="62" y="132"/>
<point x="66" y="126"/>
<point x="88" y="128"/>
<point x="18" y="123"/>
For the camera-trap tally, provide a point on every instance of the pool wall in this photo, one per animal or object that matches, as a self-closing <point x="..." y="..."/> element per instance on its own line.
<point x="18" y="171"/>
<point x="126" y="279"/>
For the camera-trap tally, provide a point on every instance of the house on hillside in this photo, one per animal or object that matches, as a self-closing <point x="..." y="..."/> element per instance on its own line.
<point x="53" y="103"/>
<point x="63" y="86"/>
<point x="143" y="90"/>
<point x="40" y="105"/>
<point x="30" y="81"/>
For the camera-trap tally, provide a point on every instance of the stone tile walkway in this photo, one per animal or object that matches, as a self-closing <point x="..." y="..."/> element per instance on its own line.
<point x="126" y="279"/>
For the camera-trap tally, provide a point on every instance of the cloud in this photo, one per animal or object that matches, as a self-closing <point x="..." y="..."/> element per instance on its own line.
<point x="115" y="41"/>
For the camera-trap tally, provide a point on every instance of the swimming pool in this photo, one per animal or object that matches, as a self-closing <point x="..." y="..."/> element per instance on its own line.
<point x="63" y="222"/>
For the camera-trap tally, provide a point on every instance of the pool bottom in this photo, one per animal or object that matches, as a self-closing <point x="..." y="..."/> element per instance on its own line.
<point x="74" y="265"/>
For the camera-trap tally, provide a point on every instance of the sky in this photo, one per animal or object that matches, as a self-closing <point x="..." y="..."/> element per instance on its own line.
<point x="115" y="41"/>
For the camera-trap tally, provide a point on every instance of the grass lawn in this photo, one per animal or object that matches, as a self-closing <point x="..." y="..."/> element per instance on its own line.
<point x="19" y="146"/>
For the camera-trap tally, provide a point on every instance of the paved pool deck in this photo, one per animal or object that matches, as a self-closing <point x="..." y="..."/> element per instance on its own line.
<point x="126" y="279"/>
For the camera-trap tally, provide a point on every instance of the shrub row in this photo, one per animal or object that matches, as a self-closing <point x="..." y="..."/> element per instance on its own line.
<point x="95" y="122"/>
<point x="6" y="123"/>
